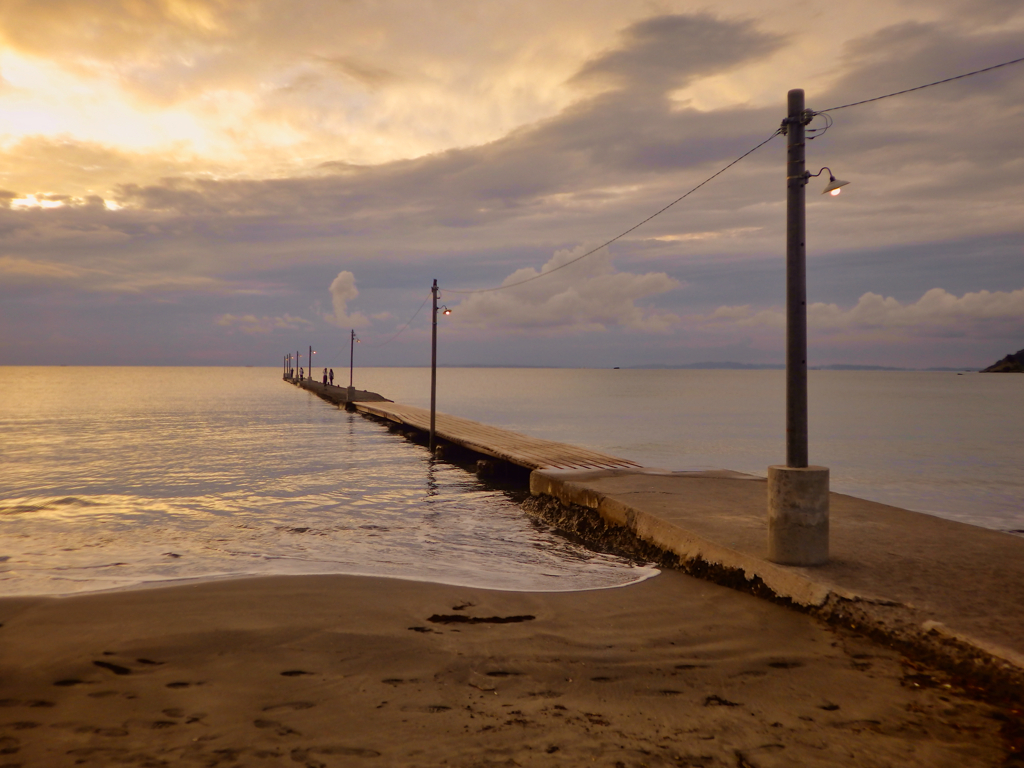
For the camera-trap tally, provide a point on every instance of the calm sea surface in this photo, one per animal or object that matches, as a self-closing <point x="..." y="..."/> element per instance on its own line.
<point x="113" y="477"/>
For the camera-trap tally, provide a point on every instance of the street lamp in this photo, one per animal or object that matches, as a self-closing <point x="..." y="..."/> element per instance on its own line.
<point x="834" y="184"/>
<point x="797" y="492"/>
<point x="351" y="361"/>
<point x="433" y="361"/>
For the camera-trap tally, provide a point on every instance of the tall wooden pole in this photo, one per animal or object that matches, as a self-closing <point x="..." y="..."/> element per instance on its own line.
<point x="433" y="363"/>
<point x="798" y="495"/>
<point x="796" y="285"/>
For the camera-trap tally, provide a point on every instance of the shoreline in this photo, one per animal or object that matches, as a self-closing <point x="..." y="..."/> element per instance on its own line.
<point x="318" y="670"/>
<point x="199" y="580"/>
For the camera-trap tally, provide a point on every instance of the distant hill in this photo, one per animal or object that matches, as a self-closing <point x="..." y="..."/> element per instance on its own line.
<point x="730" y="366"/>
<point x="1010" y="364"/>
<point x="710" y="366"/>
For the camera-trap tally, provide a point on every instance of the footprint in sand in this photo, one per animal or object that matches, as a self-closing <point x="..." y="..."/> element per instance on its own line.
<point x="279" y="728"/>
<point x="718" y="701"/>
<point x="785" y="664"/>
<point x="293" y="705"/>
<point x="117" y="669"/>
<point x="29" y="703"/>
<point x="303" y="755"/>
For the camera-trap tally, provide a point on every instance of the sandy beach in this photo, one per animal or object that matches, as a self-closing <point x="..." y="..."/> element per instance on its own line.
<point x="339" y="671"/>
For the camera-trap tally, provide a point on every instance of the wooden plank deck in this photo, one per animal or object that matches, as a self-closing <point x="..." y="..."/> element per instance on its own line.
<point x="522" y="450"/>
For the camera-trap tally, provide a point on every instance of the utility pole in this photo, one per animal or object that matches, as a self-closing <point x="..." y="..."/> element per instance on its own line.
<point x="433" y="363"/>
<point x="311" y="362"/>
<point x="351" y="356"/>
<point x="798" y="511"/>
<point x="796" y="284"/>
<point x="351" y="364"/>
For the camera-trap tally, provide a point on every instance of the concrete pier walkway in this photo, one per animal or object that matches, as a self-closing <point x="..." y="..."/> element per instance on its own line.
<point x="337" y="395"/>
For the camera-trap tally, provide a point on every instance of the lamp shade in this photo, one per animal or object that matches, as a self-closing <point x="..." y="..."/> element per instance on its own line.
<point x="833" y="186"/>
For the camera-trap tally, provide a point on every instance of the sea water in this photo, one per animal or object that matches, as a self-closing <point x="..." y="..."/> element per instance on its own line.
<point x="116" y="477"/>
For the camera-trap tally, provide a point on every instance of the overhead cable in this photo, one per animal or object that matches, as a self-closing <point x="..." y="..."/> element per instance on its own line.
<point x="400" y="330"/>
<point x="619" y="236"/>
<point x="921" y="87"/>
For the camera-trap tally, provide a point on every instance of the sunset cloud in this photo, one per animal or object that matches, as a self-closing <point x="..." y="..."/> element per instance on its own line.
<point x="343" y="290"/>
<point x="165" y="165"/>
<point x="587" y="296"/>
<point x="251" y="324"/>
<point x="981" y="313"/>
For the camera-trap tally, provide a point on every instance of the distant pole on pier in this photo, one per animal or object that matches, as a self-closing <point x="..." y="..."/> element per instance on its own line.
<point x="351" y="356"/>
<point x="433" y="363"/>
<point x="350" y="395"/>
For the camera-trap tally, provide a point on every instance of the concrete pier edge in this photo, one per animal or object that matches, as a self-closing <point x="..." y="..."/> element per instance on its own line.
<point x="891" y="622"/>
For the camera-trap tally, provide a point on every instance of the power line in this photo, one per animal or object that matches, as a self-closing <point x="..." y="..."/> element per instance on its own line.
<point x="400" y="330"/>
<point x="622" y="235"/>
<point x="920" y="87"/>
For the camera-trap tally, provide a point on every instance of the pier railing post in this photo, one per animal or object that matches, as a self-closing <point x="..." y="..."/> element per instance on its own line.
<point x="797" y="493"/>
<point x="433" y="363"/>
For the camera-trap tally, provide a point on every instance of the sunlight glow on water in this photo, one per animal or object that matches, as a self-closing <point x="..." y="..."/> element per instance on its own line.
<point x="114" y="477"/>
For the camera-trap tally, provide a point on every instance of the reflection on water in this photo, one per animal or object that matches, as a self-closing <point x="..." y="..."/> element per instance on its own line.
<point x="119" y="476"/>
<point x="112" y="476"/>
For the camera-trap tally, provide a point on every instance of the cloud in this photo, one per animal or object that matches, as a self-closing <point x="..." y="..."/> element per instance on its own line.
<point x="936" y="313"/>
<point x="343" y="290"/>
<point x="251" y="324"/>
<point x="665" y="52"/>
<point x="587" y="296"/>
<point x="16" y="267"/>
<point x="247" y="145"/>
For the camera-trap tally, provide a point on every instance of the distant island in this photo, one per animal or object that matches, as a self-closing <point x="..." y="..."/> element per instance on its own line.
<point x="730" y="366"/>
<point x="1010" y="364"/>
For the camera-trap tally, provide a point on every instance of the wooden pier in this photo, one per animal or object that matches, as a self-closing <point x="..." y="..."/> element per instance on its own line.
<point x="502" y="444"/>
<point x="335" y="394"/>
<point x="529" y="453"/>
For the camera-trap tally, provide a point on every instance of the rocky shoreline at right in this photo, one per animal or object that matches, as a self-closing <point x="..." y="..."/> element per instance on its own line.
<point x="1012" y="363"/>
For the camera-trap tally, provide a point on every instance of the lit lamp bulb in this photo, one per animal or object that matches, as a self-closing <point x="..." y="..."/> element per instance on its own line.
<point x="833" y="186"/>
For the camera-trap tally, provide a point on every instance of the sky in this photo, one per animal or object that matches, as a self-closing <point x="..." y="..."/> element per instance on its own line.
<point x="215" y="182"/>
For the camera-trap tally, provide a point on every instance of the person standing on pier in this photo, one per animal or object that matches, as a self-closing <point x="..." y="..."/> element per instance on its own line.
<point x="332" y="377"/>
<point x="325" y="377"/>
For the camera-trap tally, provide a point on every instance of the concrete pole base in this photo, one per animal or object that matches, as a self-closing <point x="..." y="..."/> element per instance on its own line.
<point x="350" y="394"/>
<point x="798" y="515"/>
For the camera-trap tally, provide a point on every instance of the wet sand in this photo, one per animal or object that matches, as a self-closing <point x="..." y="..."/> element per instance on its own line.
<point x="342" y="671"/>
